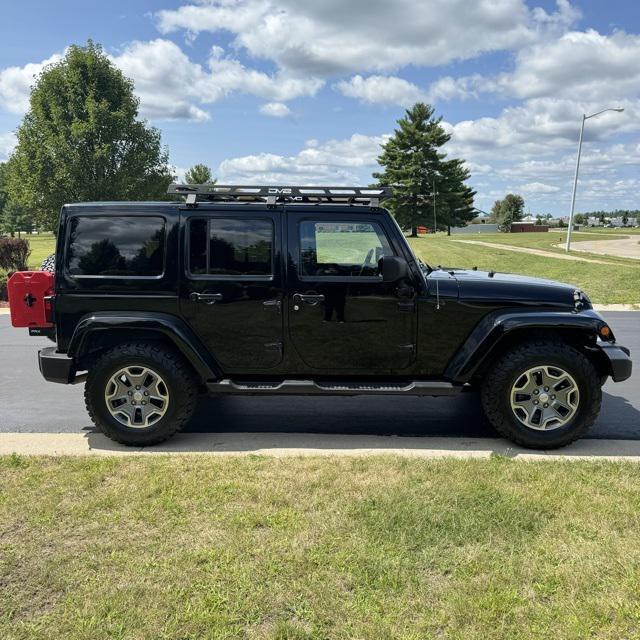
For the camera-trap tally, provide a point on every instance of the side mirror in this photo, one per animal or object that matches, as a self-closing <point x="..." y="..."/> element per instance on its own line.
<point x="393" y="268"/>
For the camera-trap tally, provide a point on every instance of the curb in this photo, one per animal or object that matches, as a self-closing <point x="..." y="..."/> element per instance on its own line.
<point x="282" y="445"/>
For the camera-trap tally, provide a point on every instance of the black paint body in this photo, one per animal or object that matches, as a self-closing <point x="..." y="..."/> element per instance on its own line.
<point x="439" y="324"/>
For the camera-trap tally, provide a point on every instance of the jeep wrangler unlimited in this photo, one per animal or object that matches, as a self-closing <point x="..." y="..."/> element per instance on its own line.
<point x="300" y="290"/>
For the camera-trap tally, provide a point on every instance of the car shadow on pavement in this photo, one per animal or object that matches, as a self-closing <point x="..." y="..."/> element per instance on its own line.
<point x="307" y="424"/>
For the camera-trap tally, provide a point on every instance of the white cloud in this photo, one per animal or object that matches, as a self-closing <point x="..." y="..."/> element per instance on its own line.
<point x="7" y="143"/>
<point x="170" y="85"/>
<point x="538" y="187"/>
<point x="381" y="90"/>
<point x="580" y="66"/>
<point x="16" y="82"/>
<point x="275" y="110"/>
<point x="335" y="161"/>
<point x="448" y="88"/>
<point x="368" y="35"/>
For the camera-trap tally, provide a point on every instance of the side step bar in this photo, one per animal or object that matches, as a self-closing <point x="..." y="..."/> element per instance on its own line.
<point x="311" y="388"/>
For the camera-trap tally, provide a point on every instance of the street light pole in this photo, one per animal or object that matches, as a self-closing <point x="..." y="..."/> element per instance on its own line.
<point x="575" y="179"/>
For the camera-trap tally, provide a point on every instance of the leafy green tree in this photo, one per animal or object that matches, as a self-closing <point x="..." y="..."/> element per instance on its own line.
<point x="579" y="219"/>
<point x="13" y="217"/>
<point x="413" y="162"/>
<point x="199" y="174"/>
<point x="81" y="139"/>
<point x="507" y="211"/>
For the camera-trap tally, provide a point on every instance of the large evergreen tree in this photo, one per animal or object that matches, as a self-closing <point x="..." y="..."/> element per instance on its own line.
<point x="82" y="140"/>
<point x="413" y="164"/>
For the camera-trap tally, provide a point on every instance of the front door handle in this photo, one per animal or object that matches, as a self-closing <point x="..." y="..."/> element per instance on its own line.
<point x="307" y="298"/>
<point x="207" y="298"/>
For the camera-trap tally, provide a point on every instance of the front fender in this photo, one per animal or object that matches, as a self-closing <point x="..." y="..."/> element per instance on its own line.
<point x="166" y="325"/>
<point x="493" y="328"/>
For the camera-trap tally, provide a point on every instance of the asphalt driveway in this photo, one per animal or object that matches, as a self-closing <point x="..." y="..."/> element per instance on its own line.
<point x="29" y="404"/>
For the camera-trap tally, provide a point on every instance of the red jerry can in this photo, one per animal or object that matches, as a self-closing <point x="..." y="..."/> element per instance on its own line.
<point x="29" y="298"/>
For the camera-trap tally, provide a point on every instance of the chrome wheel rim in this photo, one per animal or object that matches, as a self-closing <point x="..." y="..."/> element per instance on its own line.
<point x="545" y="398"/>
<point x="137" y="396"/>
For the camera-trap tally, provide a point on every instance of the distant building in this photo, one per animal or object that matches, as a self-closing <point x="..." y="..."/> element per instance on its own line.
<point x="528" y="227"/>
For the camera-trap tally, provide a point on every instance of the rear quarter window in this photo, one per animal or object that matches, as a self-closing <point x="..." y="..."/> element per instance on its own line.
<point x="116" y="246"/>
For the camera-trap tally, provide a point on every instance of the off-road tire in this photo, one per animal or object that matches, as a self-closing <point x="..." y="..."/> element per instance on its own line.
<point x="496" y="388"/>
<point x="175" y="371"/>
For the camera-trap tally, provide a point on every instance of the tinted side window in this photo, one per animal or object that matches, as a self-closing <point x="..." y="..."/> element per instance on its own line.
<point x="341" y="248"/>
<point x="116" y="246"/>
<point x="231" y="247"/>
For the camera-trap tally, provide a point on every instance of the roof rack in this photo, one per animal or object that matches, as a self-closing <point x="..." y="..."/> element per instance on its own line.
<point x="195" y="193"/>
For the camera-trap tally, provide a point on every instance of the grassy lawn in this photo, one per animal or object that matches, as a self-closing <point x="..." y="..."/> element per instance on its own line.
<point x="371" y="548"/>
<point x="42" y="246"/>
<point x="605" y="284"/>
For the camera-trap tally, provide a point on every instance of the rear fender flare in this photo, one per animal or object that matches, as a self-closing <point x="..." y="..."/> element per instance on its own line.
<point x="496" y="326"/>
<point x="165" y="325"/>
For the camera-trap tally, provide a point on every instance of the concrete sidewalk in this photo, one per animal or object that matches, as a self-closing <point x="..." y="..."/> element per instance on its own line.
<point x="291" y="444"/>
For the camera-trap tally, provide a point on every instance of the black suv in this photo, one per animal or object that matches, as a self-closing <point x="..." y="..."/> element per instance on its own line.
<point x="294" y="290"/>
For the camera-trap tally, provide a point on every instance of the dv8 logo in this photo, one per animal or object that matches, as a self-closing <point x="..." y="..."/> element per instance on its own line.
<point x="279" y="191"/>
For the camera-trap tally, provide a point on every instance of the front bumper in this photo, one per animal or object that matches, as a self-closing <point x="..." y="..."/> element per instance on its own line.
<point x="619" y="361"/>
<point x="56" y="367"/>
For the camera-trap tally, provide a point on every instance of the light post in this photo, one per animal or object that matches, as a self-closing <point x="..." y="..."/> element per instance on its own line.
<point x="575" y="180"/>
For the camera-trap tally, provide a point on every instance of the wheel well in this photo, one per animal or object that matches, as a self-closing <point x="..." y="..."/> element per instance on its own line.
<point x="97" y="342"/>
<point x="583" y="341"/>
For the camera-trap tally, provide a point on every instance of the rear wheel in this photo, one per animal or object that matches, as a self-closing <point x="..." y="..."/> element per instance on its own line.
<point x="140" y="394"/>
<point x="542" y="394"/>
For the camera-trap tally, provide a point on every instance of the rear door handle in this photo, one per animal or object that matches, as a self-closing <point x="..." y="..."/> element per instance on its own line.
<point x="311" y="299"/>
<point x="207" y="298"/>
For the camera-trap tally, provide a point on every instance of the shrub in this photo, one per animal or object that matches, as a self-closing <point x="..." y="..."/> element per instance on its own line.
<point x="14" y="254"/>
<point x="3" y="286"/>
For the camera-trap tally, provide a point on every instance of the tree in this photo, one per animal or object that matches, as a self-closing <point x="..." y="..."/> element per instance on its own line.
<point x="81" y="139"/>
<point x="507" y="211"/>
<point x="199" y="174"/>
<point x="13" y="217"/>
<point x="412" y="161"/>
<point x="579" y="218"/>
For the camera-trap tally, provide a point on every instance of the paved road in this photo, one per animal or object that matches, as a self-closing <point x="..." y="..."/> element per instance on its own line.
<point x="29" y="404"/>
<point x="629" y="247"/>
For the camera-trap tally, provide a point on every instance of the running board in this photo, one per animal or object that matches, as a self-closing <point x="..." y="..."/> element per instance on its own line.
<point x="311" y="388"/>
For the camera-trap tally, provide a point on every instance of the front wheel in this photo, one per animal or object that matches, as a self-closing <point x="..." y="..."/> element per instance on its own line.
<point x="543" y="394"/>
<point x="140" y="394"/>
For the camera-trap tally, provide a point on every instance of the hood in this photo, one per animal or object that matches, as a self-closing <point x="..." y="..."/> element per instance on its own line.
<point x="496" y="287"/>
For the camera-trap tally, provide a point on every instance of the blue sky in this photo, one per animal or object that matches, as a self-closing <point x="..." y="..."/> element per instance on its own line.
<point x="300" y="91"/>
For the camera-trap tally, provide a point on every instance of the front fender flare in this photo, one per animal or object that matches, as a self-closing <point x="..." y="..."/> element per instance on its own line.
<point x="496" y="325"/>
<point x="170" y="327"/>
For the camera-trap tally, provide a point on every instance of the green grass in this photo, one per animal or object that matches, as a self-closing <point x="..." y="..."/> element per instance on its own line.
<point x="372" y="548"/>
<point x="604" y="283"/>
<point x="42" y="246"/>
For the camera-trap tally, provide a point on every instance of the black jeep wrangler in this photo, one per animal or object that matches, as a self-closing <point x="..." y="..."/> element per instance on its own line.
<point x="300" y="290"/>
